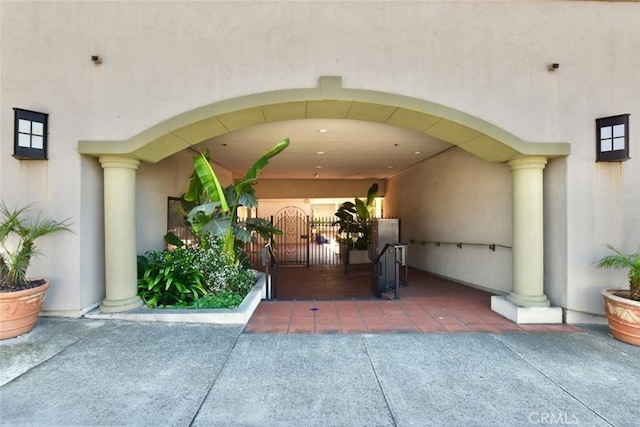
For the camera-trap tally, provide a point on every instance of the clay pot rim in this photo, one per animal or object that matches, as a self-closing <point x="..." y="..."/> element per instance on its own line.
<point x="35" y="289"/>
<point x="613" y="295"/>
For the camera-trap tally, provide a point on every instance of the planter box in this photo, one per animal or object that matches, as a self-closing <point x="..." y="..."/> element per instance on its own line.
<point x="219" y="316"/>
<point x="359" y="257"/>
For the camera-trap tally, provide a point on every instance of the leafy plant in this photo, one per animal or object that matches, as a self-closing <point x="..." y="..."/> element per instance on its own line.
<point x="18" y="233"/>
<point x="225" y="299"/>
<point x="619" y="260"/>
<point x="216" y="210"/>
<point x="169" y="277"/>
<point x="354" y="219"/>
<point x="181" y="276"/>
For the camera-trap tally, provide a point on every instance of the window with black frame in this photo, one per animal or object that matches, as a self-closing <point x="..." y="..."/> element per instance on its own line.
<point x="30" y="135"/>
<point x="612" y="138"/>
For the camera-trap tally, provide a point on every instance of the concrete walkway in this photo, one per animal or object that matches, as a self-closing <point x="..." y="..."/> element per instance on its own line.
<point x="83" y="372"/>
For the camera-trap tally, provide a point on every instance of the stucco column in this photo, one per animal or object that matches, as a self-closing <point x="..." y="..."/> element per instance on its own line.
<point x="528" y="240"/>
<point x="120" y="233"/>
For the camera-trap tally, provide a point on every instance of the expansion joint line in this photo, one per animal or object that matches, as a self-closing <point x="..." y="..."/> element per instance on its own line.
<point x="213" y="383"/>
<point x="570" y="394"/>
<point x="375" y="373"/>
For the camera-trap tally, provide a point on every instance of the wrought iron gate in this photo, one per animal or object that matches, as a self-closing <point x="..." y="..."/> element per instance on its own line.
<point x="292" y="246"/>
<point x="304" y="241"/>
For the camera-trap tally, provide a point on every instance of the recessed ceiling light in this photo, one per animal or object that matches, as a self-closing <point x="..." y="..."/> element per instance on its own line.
<point x="323" y="130"/>
<point x="318" y="167"/>
<point x="390" y="167"/>
<point x="320" y="152"/>
<point x="417" y="152"/>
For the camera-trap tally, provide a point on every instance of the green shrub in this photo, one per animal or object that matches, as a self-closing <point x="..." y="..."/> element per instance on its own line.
<point x="224" y="299"/>
<point x="169" y="278"/>
<point x="182" y="276"/>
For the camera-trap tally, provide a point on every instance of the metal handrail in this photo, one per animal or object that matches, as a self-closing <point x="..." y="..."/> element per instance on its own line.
<point x="387" y="246"/>
<point x="491" y="246"/>
<point x="267" y="253"/>
<point x="396" y="279"/>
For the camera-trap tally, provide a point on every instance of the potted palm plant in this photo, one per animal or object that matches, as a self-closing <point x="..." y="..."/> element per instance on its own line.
<point x="623" y="306"/>
<point x="354" y="221"/>
<point x="21" y="297"/>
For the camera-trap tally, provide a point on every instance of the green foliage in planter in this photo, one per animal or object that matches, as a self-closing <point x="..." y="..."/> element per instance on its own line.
<point x="179" y="277"/>
<point x="224" y="299"/>
<point x="18" y="232"/>
<point x="354" y="220"/>
<point x="216" y="210"/>
<point x="620" y="260"/>
<point x="168" y="277"/>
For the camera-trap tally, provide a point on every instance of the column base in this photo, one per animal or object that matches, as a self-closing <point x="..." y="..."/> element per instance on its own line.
<point x="528" y="300"/>
<point x="525" y="315"/>
<point x="117" y="306"/>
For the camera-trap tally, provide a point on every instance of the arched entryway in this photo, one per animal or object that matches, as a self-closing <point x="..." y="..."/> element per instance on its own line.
<point x="329" y="100"/>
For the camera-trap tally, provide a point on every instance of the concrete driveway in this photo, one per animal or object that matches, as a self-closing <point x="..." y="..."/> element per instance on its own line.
<point x="82" y="372"/>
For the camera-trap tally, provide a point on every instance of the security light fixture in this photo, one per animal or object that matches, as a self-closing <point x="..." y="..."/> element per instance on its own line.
<point x="612" y="138"/>
<point x="30" y="135"/>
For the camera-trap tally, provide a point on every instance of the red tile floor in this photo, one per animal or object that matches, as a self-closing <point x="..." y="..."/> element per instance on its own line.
<point x="323" y="299"/>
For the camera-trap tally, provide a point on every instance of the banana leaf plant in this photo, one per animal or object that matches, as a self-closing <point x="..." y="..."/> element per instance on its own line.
<point x="354" y="219"/>
<point x="216" y="209"/>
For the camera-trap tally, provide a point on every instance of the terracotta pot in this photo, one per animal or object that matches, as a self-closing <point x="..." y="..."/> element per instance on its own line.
<point x="623" y="315"/>
<point x="19" y="310"/>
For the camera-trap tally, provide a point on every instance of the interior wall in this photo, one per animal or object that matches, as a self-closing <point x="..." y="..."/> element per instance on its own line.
<point x="455" y="197"/>
<point x="325" y="210"/>
<point x="316" y="188"/>
<point x="270" y="207"/>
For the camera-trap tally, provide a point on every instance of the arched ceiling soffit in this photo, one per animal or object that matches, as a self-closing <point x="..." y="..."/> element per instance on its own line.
<point x="328" y="101"/>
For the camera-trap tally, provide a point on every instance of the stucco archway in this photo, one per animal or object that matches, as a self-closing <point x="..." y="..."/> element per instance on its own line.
<point x="328" y="100"/>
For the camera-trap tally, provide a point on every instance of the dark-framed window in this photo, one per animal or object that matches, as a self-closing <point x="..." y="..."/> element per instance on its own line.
<point x="30" y="134"/>
<point x="612" y="138"/>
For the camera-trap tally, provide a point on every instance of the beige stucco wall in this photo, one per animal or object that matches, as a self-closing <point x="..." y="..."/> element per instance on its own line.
<point x="160" y="59"/>
<point x="455" y="197"/>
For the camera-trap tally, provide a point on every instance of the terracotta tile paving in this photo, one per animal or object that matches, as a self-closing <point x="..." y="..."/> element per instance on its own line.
<point x="325" y="300"/>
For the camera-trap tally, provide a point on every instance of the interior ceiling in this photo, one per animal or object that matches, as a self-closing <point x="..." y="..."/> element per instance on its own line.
<point x="351" y="149"/>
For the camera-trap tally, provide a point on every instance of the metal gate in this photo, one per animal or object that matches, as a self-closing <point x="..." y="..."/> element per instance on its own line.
<point x="305" y="241"/>
<point x="292" y="246"/>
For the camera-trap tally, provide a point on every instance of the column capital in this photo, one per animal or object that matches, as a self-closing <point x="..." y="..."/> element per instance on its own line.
<point x="529" y="162"/>
<point x="122" y="162"/>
